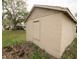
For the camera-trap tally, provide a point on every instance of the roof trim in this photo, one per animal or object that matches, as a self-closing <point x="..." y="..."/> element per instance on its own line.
<point x="62" y="9"/>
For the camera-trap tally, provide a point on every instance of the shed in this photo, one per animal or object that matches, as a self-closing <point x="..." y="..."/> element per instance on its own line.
<point x="52" y="28"/>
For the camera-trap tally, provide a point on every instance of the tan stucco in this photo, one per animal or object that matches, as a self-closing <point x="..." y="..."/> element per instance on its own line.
<point x="51" y="30"/>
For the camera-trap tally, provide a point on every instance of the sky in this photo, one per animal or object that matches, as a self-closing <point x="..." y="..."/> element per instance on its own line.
<point x="71" y="4"/>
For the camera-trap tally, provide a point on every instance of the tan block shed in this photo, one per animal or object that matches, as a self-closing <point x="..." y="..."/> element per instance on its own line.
<point x="52" y="28"/>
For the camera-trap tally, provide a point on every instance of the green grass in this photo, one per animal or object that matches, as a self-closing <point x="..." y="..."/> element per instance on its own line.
<point x="36" y="55"/>
<point x="13" y="37"/>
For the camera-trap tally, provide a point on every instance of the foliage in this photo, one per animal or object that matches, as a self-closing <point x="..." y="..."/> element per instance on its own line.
<point x="36" y="55"/>
<point x="15" y="11"/>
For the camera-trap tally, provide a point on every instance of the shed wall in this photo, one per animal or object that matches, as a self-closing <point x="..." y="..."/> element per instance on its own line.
<point x="29" y="30"/>
<point x="68" y="32"/>
<point x="41" y="12"/>
<point x="54" y="31"/>
<point x="51" y="34"/>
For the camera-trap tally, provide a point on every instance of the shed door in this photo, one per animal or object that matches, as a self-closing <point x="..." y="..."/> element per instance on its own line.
<point x="36" y="29"/>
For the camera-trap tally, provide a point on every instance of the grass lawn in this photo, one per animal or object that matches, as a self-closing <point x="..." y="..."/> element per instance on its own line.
<point x="13" y="37"/>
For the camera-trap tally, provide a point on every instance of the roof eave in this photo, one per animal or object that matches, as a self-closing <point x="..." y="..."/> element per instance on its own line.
<point x="54" y="8"/>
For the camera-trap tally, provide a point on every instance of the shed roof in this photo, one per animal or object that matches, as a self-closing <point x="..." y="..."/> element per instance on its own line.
<point x="62" y="9"/>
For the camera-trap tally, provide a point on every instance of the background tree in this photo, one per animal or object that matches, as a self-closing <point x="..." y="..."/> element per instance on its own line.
<point x="14" y="11"/>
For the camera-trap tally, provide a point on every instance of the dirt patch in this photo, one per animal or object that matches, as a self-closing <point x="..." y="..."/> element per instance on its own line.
<point x="26" y="50"/>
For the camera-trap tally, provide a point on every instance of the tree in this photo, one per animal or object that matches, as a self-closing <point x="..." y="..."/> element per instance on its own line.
<point x="15" y="11"/>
